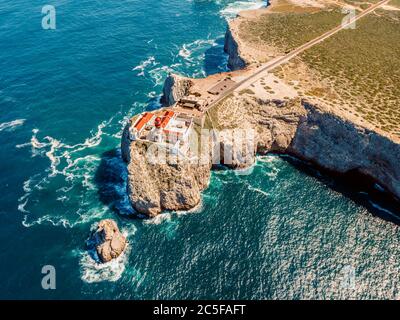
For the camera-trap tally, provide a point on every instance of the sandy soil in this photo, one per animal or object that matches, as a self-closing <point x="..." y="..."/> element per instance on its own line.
<point x="390" y="8"/>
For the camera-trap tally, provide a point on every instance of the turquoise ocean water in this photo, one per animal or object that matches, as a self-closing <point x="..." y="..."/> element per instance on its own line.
<point x="284" y="231"/>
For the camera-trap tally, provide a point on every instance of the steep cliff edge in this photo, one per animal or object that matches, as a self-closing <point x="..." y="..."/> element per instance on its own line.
<point x="231" y="47"/>
<point x="157" y="182"/>
<point x="314" y="133"/>
<point x="342" y="146"/>
<point x="175" y="87"/>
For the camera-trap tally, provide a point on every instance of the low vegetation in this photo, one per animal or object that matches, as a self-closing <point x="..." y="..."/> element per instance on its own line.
<point x="356" y="70"/>
<point x="395" y="3"/>
<point x="287" y="31"/>
<point x="363" y="65"/>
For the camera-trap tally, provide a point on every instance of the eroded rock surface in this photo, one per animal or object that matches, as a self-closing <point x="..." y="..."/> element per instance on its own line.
<point x="175" y="88"/>
<point x="231" y="47"/>
<point x="312" y="132"/>
<point x="157" y="182"/>
<point x="107" y="240"/>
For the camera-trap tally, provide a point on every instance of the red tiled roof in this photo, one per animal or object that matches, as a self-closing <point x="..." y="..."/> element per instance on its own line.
<point x="167" y="117"/>
<point x="143" y="121"/>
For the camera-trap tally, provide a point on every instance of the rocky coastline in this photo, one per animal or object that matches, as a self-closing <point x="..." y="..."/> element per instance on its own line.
<point x="305" y="129"/>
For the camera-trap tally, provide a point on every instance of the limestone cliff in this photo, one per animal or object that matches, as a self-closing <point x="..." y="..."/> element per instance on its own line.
<point x="312" y="132"/>
<point x="157" y="182"/>
<point x="175" y="87"/>
<point x="231" y="47"/>
<point x="342" y="146"/>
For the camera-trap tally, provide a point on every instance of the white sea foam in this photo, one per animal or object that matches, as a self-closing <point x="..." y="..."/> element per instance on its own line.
<point x="140" y="69"/>
<point x="152" y="94"/>
<point x="163" y="217"/>
<point x="53" y="220"/>
<point x="11" y="125"/>
<point x="185" y="52"/>
<point x="168" y="216"/>
<point x="268" y="158"/>
<point x="251" y="188"/>
<point x="196" y="209"/>
<point x="159" y="74"/>
<point x="57" y="151"/>
<point x="270" y="165"/>
<point x="21" y="206"/>
<point x="92" y="271"/>
<point x="189" y="55"/>
<point x="232" y="10"/>
<point x="62" y="198"/>
<point x="195" y="49"/>
<point x="73" y="166"/>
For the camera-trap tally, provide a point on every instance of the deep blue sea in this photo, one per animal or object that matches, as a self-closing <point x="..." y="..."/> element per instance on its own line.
<point x="283" y="231"/>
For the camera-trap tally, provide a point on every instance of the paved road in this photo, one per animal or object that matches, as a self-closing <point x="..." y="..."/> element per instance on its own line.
<point x="275" y="63"/>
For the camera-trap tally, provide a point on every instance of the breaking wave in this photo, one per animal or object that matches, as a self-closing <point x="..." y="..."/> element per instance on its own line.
<point x="195" y="49"/>
<point x="71" y="184"/>
<point x="152" y="69"/>
<point x="149" y="62"/>
<point x="232" y="10"/>
<point x="168" y="216"/>
<point x="11" y="125"/>
<point x="188" y="60"/>
<point x="92" y="271"/>
<point x="270" y="166"/>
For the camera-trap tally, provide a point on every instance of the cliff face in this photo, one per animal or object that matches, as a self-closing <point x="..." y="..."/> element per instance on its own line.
<point x="175" y="87"/>
<point x="311" y="132"/>
<point x="342" y="146"/>
<point x="164" y="183"/>
<point x="231" y="47"/>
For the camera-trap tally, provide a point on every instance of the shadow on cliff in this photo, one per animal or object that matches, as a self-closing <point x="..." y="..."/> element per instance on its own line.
<point x="111" y="178"/>
<point x="355" y="186"/>
<point x="325" y="138"/>
<point x="337" y="137"/>
<point x="215" y="59"/>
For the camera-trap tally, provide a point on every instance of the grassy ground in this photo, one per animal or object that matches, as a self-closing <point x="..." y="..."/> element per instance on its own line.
<point x="286" y="31"/>
<point x="360" y="3"/>
<point x="395" y="3"/>
<point x="355" y="70"/>
<point x="363" y="65"/>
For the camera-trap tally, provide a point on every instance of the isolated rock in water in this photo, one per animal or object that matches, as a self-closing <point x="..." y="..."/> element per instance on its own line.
<point x="108" y="240"/>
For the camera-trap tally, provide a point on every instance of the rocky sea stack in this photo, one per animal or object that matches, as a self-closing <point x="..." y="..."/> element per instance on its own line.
<point x="107" y="240"/>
